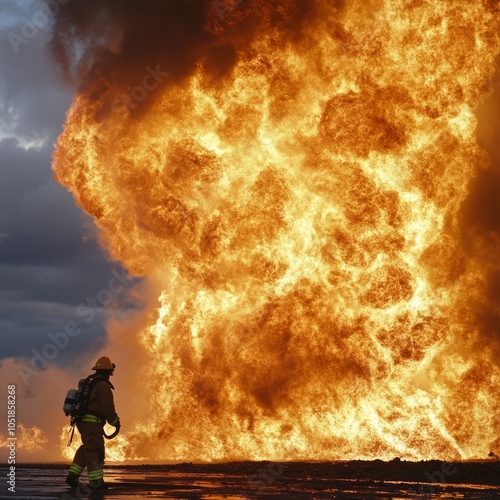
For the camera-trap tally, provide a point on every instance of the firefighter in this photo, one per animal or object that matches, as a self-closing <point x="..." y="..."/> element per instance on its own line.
<point x="100" y="409"/>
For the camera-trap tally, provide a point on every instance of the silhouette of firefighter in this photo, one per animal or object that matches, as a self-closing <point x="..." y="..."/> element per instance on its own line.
<point x="90" y="408"/>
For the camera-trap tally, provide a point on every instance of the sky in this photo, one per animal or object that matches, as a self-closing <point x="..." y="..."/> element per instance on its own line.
<point x="50" y="261"/>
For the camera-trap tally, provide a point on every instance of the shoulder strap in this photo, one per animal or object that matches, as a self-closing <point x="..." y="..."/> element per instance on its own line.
<point x="99" y="378"/>
<point x="92" y="380"/>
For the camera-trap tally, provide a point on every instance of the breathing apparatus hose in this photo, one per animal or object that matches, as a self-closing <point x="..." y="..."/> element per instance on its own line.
<point x="72" y="431"/>
<point x="114" y="434"/>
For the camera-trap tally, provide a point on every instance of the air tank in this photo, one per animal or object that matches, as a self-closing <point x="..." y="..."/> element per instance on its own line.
<point x="69" y="402"/>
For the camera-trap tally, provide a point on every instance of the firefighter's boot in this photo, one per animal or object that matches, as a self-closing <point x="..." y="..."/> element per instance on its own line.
<point x="98" y="485"/>
<point x="72" y="479"/>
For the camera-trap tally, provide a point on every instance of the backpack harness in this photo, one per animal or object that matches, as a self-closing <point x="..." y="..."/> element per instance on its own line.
<point x="77" y="407"/>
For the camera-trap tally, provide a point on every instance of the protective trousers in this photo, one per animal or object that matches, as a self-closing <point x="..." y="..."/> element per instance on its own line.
<point x="91" y="452"/>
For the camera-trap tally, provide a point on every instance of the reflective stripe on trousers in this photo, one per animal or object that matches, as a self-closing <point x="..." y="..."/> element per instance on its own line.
<point x="76" y="469"/>
<point x="95" y="475"/>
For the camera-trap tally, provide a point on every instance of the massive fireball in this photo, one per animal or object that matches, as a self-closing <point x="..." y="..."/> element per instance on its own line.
<point x="300" y="213"/>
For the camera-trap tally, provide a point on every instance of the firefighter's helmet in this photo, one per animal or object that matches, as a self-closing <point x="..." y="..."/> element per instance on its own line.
<point x="104" y="363"/>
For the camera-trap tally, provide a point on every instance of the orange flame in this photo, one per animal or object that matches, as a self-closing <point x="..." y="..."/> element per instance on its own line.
<point x="28" y="439"/>
<point x="301" y="217"/>
<point x="116" y="449"/>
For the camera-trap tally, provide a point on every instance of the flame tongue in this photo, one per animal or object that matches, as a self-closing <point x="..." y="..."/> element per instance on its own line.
<point x="301" y="218"/>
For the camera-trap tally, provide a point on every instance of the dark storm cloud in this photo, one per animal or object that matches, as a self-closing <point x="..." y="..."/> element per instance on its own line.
<point x="50" y="263"/>
<point x="32" y="102"/>
<point x="26" y="327"/>
<point x="21" y="170"/>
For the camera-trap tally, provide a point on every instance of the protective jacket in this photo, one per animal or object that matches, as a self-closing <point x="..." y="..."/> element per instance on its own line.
<point x="101" y="402"/>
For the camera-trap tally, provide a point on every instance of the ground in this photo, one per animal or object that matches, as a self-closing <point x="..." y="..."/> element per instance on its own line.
<point x="301" y="480"/>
